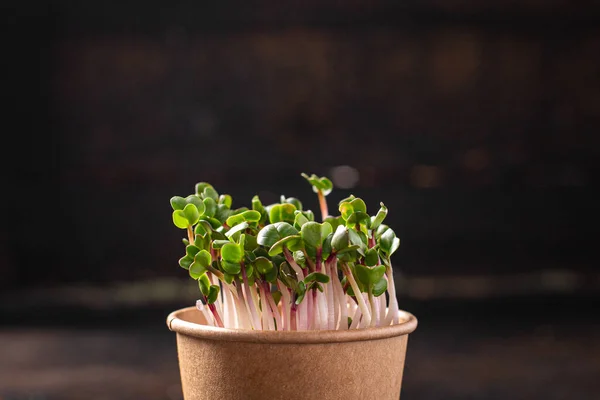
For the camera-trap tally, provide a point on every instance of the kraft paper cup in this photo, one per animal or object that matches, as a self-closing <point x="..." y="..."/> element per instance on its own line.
<point x="231" y="364"/>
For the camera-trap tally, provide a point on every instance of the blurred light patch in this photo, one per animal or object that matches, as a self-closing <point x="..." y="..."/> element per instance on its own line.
<point x="344" y="176"/>
<point x="425" y="176"/>
<point x="476" y="159"/>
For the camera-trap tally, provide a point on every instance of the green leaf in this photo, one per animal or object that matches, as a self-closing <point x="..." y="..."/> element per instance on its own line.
<point x="282" y="213"/>
<point x="386" y="241"/>
<point x="232" y="268"/>
<point x="210" y="192"/>
<point x="311" y="234"/>
<point x="263" y="265"/>
<point x="223" y="212"/>
<point x="287" y="275"/>
<point x="371" y="257"/>
<point x="232" y="253"/>
<point x="362" y="274"/>
<point x="191" y="213"/>
<point x="235" y="219"/>
<point x="271" y="276"/>
<point x="326" y="230"/>
<point x="294" y="201"/>
<point x="289" y="242"/>
<point x="346" y="210"/>
<point x="197" y="270"/>
<point x="203" y="258"/>
<point x="276" y="296"/>
<point x="322" y="184"/>
<point x="349" y="249"/>
<point x="268" y="236"/>
<point x="202" y="243"/>
<point x="177" y="203"/>
<point x="217" y="244"/>
<point x="381" y="230"/>
<point x="316" y="277"/>
<point x="258" y="206"/>
<point x="313" y="180"/>
<point x="377" y="273"/>
<point x="201" y="230"/>
<point x="238" y="228"/>
<point x="226" y="200"/>
<point x="395" y="245"/>
<point x="309" y="214"/>
<point x="346" y="200"/>
<point x="186" y="261"/>
<point x="213" y="294"/>
<point x="340" y="239"/>
<point x="379" y="287"/>
<point x="191" y="250"/>
<point x="357" y="238"/>
<point x="204" y="285"/>
<point x="369" y="276"/>
<point x="228" y="278"/>
<point x="215" y="223"/>
<point x="285" y="229"/>
<point x="378" y="219"/>
<point x="200" y="186"/>
<point x="251" y="215"/>
<point x="300" y="291"/>
<point x="299" y="220"/>
<point x="271" y="234"/>
<point x="300" y="258"/>
<point x="359" y="205"/>
<point x="210" y="207"/>
<point x="250" y="243"/>
<point x="326" y="250"/>
<point x="359" y="217"/>
<point x="326" y="186"/>
<point x="197" y="201"/>
<point x="180" y="220"/>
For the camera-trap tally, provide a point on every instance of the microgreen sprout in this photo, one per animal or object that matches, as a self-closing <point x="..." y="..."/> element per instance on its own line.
<point x="273" y="267"/>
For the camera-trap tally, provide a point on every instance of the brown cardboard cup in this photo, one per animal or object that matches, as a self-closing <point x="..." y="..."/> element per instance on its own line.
<point x="232" y="364"/>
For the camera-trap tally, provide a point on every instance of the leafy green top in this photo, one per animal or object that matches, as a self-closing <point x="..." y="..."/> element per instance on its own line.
<point x="264" y="244"/>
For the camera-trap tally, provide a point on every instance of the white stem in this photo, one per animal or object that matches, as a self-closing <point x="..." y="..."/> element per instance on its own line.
<point x="302" y="316"/>
<point x="374" y="310"/>
<point x="392" y="313"/>
<point x="285" y="305"/>
<point x="301" y="313"/>
<point x="323" y="312"/>
<point x="210" y="319"/>
<point x="382" y="307"/>
<point x="331" y="308"/>
<point x="363" y="322"/>
<point x="263" y="310"/>
<point x="252" y="304"/>
<point x="341" y="306"/>
<point x="243" y="304"/>
<point x="316" y="314"/>
<point x="231" y="314"/>
<point x="274" y="311"/>
<point x="310" y="309"/>
<point x="358" y="294"/>
<point x="356" y="318"/>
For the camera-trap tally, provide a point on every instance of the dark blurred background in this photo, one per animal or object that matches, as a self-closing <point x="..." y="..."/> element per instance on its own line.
<point x="475" y="123"/>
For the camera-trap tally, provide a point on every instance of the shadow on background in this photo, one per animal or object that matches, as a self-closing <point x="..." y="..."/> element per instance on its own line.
<point x="475" y="124"/>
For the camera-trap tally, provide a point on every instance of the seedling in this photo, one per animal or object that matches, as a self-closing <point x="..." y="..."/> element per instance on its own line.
<point x="273" y="267"/>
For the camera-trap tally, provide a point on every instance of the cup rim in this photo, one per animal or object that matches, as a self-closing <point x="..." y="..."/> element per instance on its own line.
<point x="177" y="322"/>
